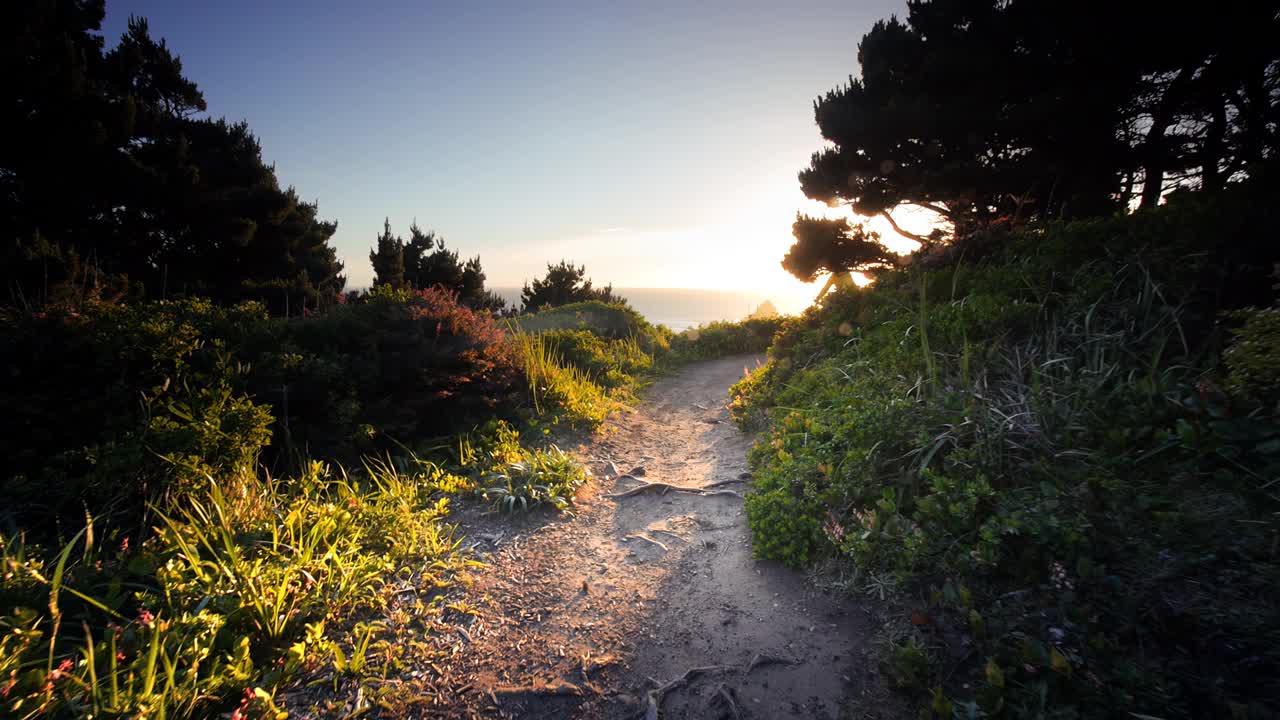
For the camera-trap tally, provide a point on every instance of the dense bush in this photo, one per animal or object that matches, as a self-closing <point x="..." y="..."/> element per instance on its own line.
<point x="222" y="604"/>
<point x="718" y="339"/>
<point x="1041" y="438"/>
<point x="120" y="402"/>
<point x="116" y="404"/>
<point x="562" y="393"/>
<point x="611" y="363"/>
<point x="225" y="606"/>
<point x="610" y="342"/>
<point x="407" y="364"/>
<point x="611" y="321"/>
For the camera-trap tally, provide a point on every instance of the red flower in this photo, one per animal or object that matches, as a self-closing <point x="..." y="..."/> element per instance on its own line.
<point x="62" y="669"/>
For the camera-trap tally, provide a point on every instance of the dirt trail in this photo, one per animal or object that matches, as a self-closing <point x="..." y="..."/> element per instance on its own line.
<point x="587" y="616"/>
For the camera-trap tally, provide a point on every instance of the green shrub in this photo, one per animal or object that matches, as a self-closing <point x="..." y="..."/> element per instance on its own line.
<point x="120" y="405"/>
<point x="513" y="477"/>
<point x="231" y="592"/>
<point x="611" y="321"/>
<point x="720" y="339"/>
<point x="1035" y="437"/>
<point x="124" y="404"/>
<point x="560" y="392"/>
<point x="1254" y="357"/>
<point x="613" y="364"/>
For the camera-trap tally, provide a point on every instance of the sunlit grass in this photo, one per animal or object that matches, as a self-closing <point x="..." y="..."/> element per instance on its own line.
<point x="226" y="602"/>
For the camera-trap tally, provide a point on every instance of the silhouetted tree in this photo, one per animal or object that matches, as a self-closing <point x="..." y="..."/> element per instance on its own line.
<point x="107" y="176"/>
<point x="442" y="267"/>
<point x="415" y="251"/>
<point x="472" y="277"/>
<point x="473" y="291"/>
<point x="388" y="259"/>
<point x="1006" y="110"/>
<point x="835" y="247"/>
<point x="564" y="284"/>
<point x="425" y="262"/>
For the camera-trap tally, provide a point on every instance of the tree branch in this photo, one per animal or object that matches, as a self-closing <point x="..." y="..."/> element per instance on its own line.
<point x="904" y="233"/>
<point x="941" y="210"/>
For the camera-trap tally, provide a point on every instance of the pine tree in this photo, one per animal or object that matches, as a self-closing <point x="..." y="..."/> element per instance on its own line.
<point x="387" y="258"/>
<point x="563" y="284"/>
<point x="159" y="200"/>
<point x="1004" y="111"/>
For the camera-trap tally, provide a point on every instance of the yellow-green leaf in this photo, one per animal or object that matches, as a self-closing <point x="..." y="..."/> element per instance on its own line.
<point x="1059" y="662"/>
<point x="995" y="676"/>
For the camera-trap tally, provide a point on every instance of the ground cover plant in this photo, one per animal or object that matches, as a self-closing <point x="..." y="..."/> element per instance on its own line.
<point x="187" y="541"/>
<point x="1058" y="453"/>
<point x="153" y="566"/>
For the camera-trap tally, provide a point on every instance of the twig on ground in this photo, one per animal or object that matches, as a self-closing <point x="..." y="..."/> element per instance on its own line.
<point x="722" y="483"/>
<point x="555" y="687"/>
<point x="646" y="538"/>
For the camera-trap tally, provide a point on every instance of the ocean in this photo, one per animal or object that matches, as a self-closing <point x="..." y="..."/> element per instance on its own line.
<point x="681" y="308"/>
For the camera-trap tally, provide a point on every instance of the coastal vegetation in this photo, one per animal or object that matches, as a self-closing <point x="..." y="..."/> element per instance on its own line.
<point x="1045" y="443"/>
<point x="231" y="484"/>
<point x="1048" y="436"/>
<point x="221" y="463"/>
<point x="1058" y="455"/>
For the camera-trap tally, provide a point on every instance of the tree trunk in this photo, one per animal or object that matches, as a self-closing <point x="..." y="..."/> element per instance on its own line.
<point x="1155" y="151"/>
<point x="1211" y="179"/>
<point x="1153" y="168"/>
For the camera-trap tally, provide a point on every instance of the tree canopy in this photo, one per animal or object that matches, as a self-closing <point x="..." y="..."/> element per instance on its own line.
<point x="988" y="111"/>
<point x="563" y="284"/>
<point x="833" y="246"/>
<point x="424" y="262"/>
<point x="111" y="179"/>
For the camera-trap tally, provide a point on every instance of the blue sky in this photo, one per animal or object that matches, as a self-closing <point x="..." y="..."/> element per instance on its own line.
<point x="658" y="143"/>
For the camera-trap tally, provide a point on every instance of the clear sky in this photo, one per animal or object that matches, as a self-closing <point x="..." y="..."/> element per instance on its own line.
<point x="656" y="142"/>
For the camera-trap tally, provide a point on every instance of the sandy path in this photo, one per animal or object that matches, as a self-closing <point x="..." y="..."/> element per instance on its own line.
<point x="581" y="616"/>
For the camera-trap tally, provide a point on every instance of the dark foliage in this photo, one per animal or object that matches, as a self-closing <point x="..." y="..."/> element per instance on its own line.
<point x="388" y="259"/>
<point x="1042" y="451"/>
<point x="120" y="405"/>
<point x="989" y="111"/>
<point x="565" y="284"/>
<point x="109" y="180"/>
<point x="833" y="246"/>
<point x="424" y="262"/>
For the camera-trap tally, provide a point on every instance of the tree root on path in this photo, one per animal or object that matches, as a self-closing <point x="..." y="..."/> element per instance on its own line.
<point x="722" y="483"/>
<point x="663" y="488"/>
<point x="726" y="696"/>
<point x="653" y="700"/>
<point x="761" y="660"/>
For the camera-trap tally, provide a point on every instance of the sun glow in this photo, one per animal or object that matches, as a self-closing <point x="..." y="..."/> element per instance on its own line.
<point x="738" y="245"/>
